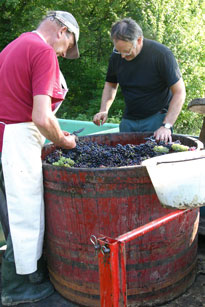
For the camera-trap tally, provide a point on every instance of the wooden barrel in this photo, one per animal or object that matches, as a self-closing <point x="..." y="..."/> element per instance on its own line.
<point x="161" y="265"/>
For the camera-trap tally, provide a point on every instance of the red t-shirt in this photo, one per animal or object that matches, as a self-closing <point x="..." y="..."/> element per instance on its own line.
<point x="28" y="67"/>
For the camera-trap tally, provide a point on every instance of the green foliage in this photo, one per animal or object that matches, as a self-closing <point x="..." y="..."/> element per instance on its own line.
<point x="179" y="24"/>
<point x="186" y="27"/>
<point x="19" y="16"/>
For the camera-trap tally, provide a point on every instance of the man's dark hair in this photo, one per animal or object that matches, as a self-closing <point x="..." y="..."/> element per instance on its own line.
<point x="126" y="30"/>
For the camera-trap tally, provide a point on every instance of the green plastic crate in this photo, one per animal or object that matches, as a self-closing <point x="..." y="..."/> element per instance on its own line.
<point x="90" y="127"/>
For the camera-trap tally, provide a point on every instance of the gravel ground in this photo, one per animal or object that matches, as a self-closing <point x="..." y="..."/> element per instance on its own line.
<point x="193" y="297"/>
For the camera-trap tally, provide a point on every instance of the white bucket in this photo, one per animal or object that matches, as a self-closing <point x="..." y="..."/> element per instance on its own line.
<point x="179" y="178"/>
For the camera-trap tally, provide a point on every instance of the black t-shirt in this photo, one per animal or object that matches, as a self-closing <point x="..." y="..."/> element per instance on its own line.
<point x="145" y="81"/>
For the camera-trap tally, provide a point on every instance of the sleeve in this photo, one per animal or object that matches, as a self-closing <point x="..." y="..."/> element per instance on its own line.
<point x="169" y="68"/>
<point x="46" y="75"/>
<point x="111" y="72"/>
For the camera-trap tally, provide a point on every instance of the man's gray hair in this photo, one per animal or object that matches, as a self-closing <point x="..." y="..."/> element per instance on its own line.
<point x="126" y="30"/>
<point x="51" y="16"/>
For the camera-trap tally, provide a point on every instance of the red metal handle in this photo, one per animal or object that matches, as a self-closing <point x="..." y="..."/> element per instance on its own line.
<point x="112" y="264"/>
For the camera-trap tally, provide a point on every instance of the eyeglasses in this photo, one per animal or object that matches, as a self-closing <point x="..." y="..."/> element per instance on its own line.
<point x="123" y="53"/>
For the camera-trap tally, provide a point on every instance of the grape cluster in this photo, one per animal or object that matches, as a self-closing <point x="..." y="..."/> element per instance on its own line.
<point x="89" y="154"/>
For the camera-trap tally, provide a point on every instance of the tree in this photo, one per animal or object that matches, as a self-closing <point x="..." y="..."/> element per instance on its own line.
<point x="179" y="24"/>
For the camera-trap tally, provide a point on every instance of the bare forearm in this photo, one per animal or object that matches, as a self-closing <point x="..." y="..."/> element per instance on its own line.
<point x="48" y="125"/>
<point x="51" y="129"/>
<point x="108" y="96"/>
<point x="178" y="98"/>
<point x="176" y="104"/>
<point x="174" y="110"/>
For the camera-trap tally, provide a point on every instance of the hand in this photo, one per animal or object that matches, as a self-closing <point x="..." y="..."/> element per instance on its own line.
<point x="66" y="133"/>
<point x="163" y="134"/>
<point x="100" y="118"/>
<point x="69" y="140"/>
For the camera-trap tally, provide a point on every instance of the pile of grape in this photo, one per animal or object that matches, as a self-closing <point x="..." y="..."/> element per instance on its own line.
<point x="89" y="154"/>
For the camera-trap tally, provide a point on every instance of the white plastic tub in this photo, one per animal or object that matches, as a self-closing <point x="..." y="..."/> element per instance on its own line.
<point x="179" y="178"/>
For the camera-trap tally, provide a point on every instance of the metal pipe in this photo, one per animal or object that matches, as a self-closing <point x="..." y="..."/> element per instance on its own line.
<point x="112" y="264"/>
<point x="133" y="234"/>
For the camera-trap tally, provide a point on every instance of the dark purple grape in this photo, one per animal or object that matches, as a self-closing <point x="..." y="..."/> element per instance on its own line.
<point x="89" y="154"/>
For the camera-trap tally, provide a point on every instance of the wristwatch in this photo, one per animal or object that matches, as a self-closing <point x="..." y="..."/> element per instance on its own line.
<point x="167" y="125"/>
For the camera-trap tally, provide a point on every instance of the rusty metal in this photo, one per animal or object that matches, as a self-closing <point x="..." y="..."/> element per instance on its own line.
<point x="95" y="243"/>
<point x="110" y="201"/>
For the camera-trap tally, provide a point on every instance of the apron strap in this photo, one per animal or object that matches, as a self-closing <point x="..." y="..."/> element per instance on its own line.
<point x="63" y="82"/>
<point x="3" y="205"/>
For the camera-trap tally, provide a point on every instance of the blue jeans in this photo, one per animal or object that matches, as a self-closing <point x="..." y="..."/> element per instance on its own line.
<point x="149" y="124"/>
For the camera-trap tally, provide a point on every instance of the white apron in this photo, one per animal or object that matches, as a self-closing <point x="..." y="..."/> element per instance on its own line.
<point x="23" y="177"/>
<point x="22" y="169"/>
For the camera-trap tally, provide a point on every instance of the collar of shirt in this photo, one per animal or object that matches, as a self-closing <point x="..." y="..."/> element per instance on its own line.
<point x="41" y="36"/>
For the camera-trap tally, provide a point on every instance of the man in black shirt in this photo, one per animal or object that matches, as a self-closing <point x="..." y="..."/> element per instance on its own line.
<point x="150" y="80"/>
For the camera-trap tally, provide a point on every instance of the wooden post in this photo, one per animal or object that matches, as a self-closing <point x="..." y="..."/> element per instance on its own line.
<point x="198" y="105"/>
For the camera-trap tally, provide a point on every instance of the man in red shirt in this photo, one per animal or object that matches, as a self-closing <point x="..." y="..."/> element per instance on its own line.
<point x="30" y="89"/>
